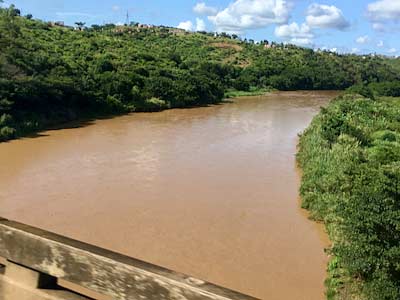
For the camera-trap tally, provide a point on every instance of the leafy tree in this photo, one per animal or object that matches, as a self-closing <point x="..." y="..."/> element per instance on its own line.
<point x="80" y="25"/>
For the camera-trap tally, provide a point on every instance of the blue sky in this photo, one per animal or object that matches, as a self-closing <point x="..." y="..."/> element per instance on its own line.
<point x="362" y="26"/>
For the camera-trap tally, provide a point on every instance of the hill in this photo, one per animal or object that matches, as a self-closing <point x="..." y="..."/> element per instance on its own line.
<point x="50" y="73"/>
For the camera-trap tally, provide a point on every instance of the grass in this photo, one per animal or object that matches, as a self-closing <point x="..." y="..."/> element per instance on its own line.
<point x="252" y="92"/>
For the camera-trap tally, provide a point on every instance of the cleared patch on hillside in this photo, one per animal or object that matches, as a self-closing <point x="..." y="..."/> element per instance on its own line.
<point x="225" y="45"/>
<point x="232" y="53"/>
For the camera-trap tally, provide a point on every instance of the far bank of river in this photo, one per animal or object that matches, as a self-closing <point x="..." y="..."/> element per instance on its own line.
<point x="209" y="191"/>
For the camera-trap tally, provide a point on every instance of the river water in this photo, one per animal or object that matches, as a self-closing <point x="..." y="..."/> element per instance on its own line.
<point x="211" y="192"/>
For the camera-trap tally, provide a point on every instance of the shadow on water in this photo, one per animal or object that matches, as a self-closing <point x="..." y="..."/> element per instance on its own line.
<point x="75" y="124"/>
<point x="222" y="102"/>
<point x="85" y="122"/>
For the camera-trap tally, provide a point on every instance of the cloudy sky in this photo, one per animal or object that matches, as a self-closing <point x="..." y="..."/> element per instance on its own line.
<point x="359" y="26"/>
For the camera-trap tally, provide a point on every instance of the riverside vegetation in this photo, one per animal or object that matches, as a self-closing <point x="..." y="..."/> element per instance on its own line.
<point x="51" y="73"/>
<point x="350" y="156"/>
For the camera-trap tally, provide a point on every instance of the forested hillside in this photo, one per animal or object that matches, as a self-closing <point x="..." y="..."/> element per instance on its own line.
<point x="51" y="73"/>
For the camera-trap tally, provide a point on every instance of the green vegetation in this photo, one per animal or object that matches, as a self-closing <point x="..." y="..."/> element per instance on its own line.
<point x="232" y="93"/>
<point x="350" y="156"/>
<point x="50" y="73"/>
<point x="389" y="89"/>
<point x="395" y="63"/>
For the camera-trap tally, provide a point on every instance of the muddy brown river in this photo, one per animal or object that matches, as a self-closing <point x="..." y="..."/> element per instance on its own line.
<point x="211" y="192"/>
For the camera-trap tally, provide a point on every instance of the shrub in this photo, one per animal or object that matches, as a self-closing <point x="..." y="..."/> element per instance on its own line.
<point x="155" y="104"/>
<point x="362" y="90"/>
<point x="7" y="133"/>
<point x="391" y="89"/>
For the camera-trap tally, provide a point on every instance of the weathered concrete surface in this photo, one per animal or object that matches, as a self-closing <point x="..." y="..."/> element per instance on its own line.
<point x="83" y="291"/>
<point x="100" y="270"/>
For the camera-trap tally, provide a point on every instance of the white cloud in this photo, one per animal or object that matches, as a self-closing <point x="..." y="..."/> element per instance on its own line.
<point x="378" y="26"/>
<point x="187" y="25"/>
<point x="333" y="50"/>
<point x="202" y="9"/>
<point x="384" y="10"/>
<point x="200" y="25"/>
<point x="355" y="50"/>
<point x="302" y="41"/>
<point x="384" y="15"/>
<point x="295" y="33"/>
<point x="116" y="8"/>
<point x="392" y="50"/>
<point x="241" y="15"/>
<point x="325" y="16"/>
<point x="363" y="39"/>
<point x="380" y="44"/>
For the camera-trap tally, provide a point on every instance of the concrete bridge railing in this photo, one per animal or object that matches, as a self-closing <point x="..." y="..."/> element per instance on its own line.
<point x="36" y="260"/>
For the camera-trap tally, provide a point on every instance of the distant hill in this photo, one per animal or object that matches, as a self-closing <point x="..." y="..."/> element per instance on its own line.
<point x="50" y="73"/>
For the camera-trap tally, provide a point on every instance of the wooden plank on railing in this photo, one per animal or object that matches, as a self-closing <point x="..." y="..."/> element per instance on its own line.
<point x="103" y="271"/>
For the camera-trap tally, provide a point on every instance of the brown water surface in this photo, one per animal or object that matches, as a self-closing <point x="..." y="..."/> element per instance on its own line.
<point x="211" y="192"/>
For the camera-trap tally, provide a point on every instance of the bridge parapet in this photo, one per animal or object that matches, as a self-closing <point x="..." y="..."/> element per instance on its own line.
<point x="37" y="260"/>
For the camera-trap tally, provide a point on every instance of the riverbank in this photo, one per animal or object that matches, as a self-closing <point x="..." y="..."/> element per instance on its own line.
<point x="252" y="92"/>
<point x="30" y="125"/>
<point x="350" y="161"/>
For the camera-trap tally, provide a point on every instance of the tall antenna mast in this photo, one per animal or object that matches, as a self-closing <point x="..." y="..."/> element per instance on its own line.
<point x="127" y="18"/>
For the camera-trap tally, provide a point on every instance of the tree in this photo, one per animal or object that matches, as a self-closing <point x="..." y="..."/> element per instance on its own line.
<point x="80" y="25"/>
<point x="13" y="11"/>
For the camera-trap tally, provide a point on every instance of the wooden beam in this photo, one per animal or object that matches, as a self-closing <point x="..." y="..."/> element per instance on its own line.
<point x="100" y="270"/>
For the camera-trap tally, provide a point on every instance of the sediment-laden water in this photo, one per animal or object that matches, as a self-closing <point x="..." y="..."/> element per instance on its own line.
<point x="212" y="192"/>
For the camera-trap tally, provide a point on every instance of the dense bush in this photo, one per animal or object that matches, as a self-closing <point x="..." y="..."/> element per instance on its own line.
<point x="350" y="156"/>
<point x="362" y="90"/>
<point x="390" y="89"/>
